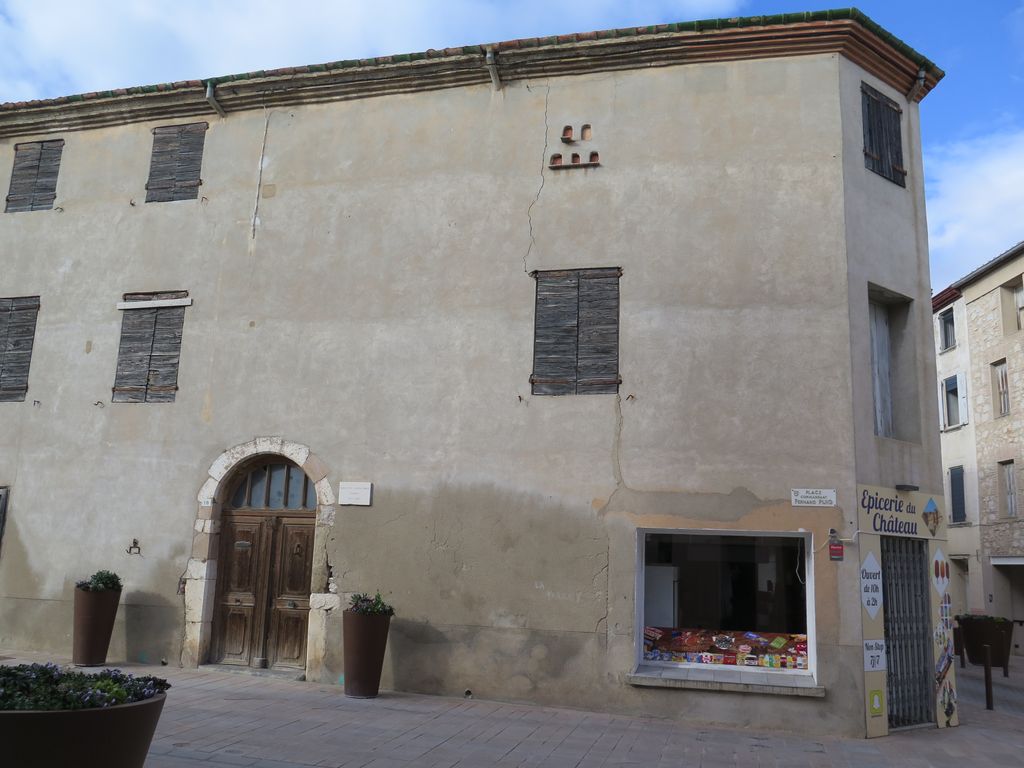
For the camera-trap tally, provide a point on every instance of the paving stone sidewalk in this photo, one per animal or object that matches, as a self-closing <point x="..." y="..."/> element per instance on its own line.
<point x="214" y="719"/>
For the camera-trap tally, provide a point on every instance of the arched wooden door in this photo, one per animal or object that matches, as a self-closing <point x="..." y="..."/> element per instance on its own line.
<point x="264" y="568"/>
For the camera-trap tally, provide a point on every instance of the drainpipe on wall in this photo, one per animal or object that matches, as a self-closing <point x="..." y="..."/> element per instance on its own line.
<point x="918" y="85"/>
<point x="492" y="67"/>
<point x="212" y="99"/>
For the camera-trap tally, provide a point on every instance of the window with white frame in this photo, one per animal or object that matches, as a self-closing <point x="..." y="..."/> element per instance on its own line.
<point x="1008" y="485"/>
<point x="953" y="401"/>
<point x="1000" y="389"/>
<point x="724" y="599"/>
<point x="947" y="330"/>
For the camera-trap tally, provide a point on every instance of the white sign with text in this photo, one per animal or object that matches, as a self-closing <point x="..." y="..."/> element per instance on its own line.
<point x="871" y="585"/>
<point x="355" y="494"/>
<point x="874" y="655"/>
<point x="813" y="497"/>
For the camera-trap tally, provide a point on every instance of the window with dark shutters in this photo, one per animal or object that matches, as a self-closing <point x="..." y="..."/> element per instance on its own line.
<point x="147" y="359"/>
<point x="34" y="177"/>
<point x="576" y="332"/>
<point x="17" y="335"/>
<point x="883" y="143"/>
<point x="176" y="162"/>
<point x="956" y="493"/>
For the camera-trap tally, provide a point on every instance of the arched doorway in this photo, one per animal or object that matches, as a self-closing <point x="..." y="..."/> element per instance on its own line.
<point x="261" y="610"/>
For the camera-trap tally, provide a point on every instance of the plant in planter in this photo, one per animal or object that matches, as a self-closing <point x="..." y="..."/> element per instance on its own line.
<point x="365" y="624"/>
<point x="978" y="631"/>
<point x="96" y="602"/>
<point x="52" y="717"/>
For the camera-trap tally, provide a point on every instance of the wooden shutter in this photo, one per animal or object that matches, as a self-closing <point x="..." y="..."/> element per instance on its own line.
<point x="17" y="336"/>
<point x="597" y="357"/>
<point x="883" y="141"/>
<point x="555" y="333"/>
<point x="150" y="349"/>
<point x="880" y="369"/>
<point x="34" y="177"/>
<point x="576" y="332"/>
<point x="176" y="163"/>
<point x="956" y="493"/>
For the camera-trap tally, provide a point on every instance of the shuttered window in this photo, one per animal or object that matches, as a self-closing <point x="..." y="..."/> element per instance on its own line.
<point x="881" y="368"/>
<point x="956" y="493"/>
<point x="576" y="332"/>
<point x="34" y="177"/>
<point x="17" y="335"/>
<point x="176" y="162"/>
<point x="883" y="143"/>
<point x="147" y="360"/>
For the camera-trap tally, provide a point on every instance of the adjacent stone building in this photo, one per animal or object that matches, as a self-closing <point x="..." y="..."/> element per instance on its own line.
<point x="605" y="357"/>
<point x="980" y="348"/>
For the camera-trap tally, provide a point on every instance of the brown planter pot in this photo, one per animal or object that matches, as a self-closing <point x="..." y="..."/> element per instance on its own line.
<point x="111" y="737"/>
<point x="978" y="631"/>
<point x="366" y="638"/>
<point x="94" y="623"/>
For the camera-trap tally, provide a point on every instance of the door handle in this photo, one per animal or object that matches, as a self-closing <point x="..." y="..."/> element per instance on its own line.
<point x="292" y="604"/>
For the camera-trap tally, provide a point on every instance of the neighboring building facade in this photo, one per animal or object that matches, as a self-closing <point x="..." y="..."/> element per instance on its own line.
<point x="980" y="347"/>
<point x="627" y="330"/>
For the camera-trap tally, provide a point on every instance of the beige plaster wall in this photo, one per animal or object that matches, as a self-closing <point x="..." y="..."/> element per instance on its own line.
<point x="359" y="275"/>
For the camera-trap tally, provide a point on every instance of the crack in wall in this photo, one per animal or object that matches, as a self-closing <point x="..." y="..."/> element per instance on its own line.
<point x="543" y="178"/>
<point x="259" y="178"/>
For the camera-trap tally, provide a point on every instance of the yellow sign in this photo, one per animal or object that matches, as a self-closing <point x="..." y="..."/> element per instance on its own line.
<point x="876" y="703"/>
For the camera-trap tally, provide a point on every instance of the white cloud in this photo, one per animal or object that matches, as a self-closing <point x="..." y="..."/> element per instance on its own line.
<point x="975" y="202"/>
<point x="55" y="47"/>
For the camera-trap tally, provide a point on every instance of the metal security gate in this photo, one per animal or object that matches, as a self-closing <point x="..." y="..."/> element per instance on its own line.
<point x="908" y="647"/>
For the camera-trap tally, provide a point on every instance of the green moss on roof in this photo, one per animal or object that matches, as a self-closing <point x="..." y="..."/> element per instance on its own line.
<point x="839" y="14"/>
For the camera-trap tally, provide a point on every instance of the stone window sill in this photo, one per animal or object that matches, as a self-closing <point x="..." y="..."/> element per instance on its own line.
<point x="734" y="680"/>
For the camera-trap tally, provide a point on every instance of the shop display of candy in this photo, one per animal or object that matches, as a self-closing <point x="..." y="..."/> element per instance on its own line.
<point x="771" y="650"/>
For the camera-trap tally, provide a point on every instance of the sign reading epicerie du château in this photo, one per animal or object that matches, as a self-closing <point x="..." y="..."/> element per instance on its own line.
<point x="889" y="512"/>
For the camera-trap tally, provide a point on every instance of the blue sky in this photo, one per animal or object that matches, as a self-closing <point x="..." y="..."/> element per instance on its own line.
<point x="972" y="124"/>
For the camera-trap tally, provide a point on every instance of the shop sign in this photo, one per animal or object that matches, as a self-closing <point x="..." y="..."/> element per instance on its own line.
<point x="889" y="512"/>
<point x="835" y="550"/>
<point x="871" y="585"/>
<point x="813" y="497"/>
<point x="355" y="494"/>
<point x="874" y="655"/>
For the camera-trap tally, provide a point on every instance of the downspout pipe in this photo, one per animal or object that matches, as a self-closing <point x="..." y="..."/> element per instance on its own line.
<point x="492" y="66"/>
<point x="212" y="99"/>
<point x="918" y="85"/>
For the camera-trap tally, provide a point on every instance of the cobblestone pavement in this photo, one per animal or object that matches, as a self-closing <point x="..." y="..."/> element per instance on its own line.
<point x="214" y="719"/>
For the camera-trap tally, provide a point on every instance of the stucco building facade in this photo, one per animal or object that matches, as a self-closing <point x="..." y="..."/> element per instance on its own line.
<point x="600" y="318"/>
<point x="981" y="444"/>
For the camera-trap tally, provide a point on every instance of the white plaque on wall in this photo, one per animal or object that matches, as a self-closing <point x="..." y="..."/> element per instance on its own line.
<point x="813" y="497"/>
<point x="874" y="655"/>
<point x="355" y="494"/>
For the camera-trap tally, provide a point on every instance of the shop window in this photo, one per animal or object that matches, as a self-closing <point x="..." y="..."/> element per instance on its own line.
<point x="947" y="330"/>
<point x="953" y="398"/>
<point x="176" y="162"/>
<point x="883" y="144"/>
<point x="1000" y="389"/>
<point x="733" y="600"/>
<point x="34" y="176"/>
<point x="958" y="506"/>
<point x="150" y="349"/>
<point x="1011" y="301"/>
<point x="1008" y="487"/>
<point x="17" y="337"/>
<point x="576" y="332"/>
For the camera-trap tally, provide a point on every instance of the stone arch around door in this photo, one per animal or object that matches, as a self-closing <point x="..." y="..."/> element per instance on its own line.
<point x="200" y="577"/>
